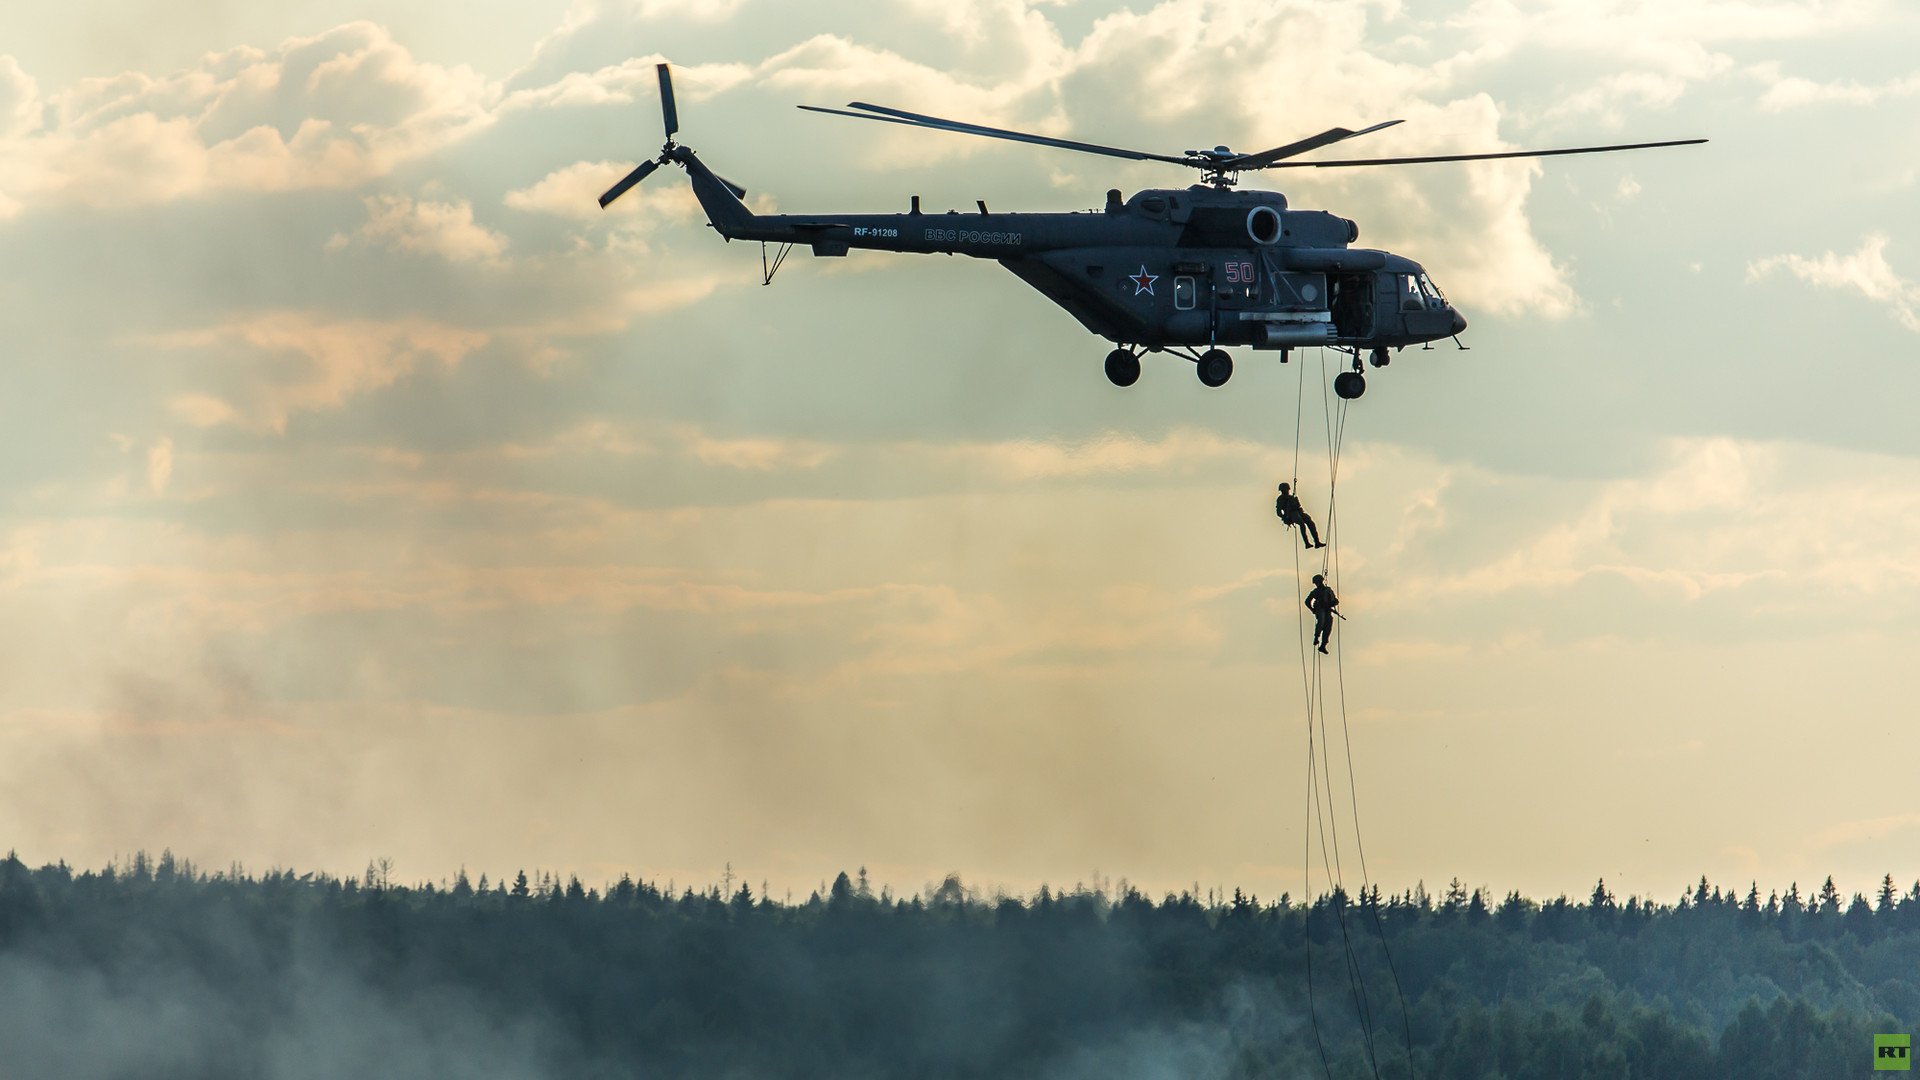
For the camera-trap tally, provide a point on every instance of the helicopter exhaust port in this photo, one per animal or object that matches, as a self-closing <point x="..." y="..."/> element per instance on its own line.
<point x="1282" y="335"/>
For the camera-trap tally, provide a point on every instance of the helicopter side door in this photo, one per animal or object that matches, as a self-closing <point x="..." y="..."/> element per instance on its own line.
<point x="1352" y="302"/>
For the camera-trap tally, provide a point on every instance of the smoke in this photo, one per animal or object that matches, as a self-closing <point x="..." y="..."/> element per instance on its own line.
<point x="316" y="1018"/>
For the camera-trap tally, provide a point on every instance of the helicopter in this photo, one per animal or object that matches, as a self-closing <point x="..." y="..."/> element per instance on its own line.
<point x="1183" y="271"/>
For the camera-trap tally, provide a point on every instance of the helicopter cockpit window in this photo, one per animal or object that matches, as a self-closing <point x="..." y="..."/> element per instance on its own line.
<point x="1435" y="298"/>
<point x="1411" y="298"/>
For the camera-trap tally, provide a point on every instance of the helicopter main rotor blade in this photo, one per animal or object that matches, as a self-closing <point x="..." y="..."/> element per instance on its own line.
<point x="1326" y="138"/>
<point x="900" y="116"/>
<point x="668" y="114"/>
<point x="640" y="172"/>
<point x="1474" y="157"/>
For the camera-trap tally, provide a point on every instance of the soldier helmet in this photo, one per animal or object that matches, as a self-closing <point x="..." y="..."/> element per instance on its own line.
<point x="1318" y="580"/>
<point x="1283" y="487"/>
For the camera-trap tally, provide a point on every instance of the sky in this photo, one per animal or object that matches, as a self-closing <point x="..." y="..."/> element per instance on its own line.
<point x="368" y="492"/>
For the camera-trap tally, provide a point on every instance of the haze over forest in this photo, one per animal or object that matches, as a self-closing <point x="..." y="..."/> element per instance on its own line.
<point x="152" y="968"/>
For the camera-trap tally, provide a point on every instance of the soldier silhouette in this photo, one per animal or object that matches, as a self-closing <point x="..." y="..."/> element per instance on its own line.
<point x="1321" y="602"/>
<point x="1289" y="511"/>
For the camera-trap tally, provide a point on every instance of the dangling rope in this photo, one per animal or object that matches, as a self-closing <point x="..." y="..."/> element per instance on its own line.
<point x="1313" y="796"/>
<point x="1319" y="768"/>
<point x="1346" y="736"/>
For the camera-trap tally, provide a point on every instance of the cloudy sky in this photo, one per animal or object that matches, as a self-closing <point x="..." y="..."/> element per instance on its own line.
<point x="367" y="491"/>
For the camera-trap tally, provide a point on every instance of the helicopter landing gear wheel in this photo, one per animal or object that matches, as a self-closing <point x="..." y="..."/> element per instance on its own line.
<point x="1215" y="367"/>
<point x="1123" y="368"/>
<point x="1349" y="384"/>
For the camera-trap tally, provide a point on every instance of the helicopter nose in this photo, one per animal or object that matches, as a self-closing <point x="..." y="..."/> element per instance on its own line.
<point x="1459" y="322"/>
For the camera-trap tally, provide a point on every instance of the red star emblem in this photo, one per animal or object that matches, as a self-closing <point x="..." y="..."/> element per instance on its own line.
<point x="1143" y="281"/>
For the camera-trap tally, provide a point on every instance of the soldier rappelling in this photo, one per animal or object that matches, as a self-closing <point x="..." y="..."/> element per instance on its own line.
<point x="1287" y="508"/>
<point x="1321" y="602"/>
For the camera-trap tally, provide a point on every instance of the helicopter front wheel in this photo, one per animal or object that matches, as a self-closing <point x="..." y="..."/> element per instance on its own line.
<point x="1215" y="367"/>
<point x="1349" y="384"/>
<point x="1123" y="368"/>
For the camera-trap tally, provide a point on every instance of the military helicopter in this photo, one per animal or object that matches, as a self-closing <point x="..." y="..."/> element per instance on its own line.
<point x="1184" y="271"/>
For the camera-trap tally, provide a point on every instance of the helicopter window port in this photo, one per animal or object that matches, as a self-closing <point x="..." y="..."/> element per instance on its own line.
<point x="1184" y="293"/>
<point x="1435" y="298"/>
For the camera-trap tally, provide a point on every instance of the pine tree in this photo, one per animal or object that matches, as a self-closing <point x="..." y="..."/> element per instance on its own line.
<point x="1477" y="908"/>
<point x="1829" y="898"/>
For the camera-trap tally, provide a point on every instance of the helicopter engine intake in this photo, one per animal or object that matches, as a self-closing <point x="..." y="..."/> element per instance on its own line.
<point x="1263" y="225"/>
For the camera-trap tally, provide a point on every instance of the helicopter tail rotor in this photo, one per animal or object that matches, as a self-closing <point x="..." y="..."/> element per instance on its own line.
<point x="720" y="196"/>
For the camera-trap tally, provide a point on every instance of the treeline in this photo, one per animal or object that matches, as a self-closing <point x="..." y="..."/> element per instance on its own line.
<point x="157" y="968"/>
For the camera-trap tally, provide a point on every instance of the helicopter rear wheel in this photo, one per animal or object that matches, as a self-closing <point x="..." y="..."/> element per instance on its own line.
<point x="1349" y="384"/>
<point x="1123" y="368"/>
<point x="1215" y="367"/>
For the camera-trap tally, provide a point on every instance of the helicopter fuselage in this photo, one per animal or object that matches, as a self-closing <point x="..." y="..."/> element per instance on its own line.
<point x="1197" y="266"/>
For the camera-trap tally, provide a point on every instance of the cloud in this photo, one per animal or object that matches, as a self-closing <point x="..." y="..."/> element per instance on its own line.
<point x="292" y="362"/>
<point x="1844" y="833"/>
<point x="1793" y="92"/>
<point x="1717" y="517"/>
<point x="1612" y="98"/>
<point x="159" y="465"/>
<point x="1866" y="272"/>
<point x="20" y="106"/>
<point x="574" y="192"/>
<point x="633" y="80"/>
<point x="1181" y="452"/>
<point x="334" y="110"/>
<point x="1188" y="64"/>
<point x="1638" y="55"/>
<point x="1664" y="34"/>
<point x="442" y="229"/>
<point x="758" y="455"/>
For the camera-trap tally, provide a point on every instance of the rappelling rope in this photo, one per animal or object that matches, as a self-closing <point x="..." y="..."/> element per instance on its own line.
<point x="1319" y="778"/>
<point x="1337" y="437"/>
<point x="1313" y="799"/>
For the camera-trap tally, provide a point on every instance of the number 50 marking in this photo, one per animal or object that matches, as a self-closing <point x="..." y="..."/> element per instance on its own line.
<point x="1238" y="272"/>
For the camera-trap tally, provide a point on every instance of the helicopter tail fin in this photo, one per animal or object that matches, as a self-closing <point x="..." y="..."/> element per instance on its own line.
<point x="718" y="196"/>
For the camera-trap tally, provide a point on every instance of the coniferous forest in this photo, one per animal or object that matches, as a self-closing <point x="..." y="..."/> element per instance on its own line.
<point x="156" y="968"/>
